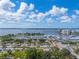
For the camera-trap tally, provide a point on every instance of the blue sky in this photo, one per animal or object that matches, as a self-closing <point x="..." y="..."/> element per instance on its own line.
<point x="39" y="14"/>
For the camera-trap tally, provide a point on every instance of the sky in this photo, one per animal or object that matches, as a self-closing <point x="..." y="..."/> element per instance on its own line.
<point x="39" y="13"/>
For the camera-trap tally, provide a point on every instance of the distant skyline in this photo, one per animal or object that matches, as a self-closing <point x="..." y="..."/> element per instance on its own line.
<point x="39" y="13"/>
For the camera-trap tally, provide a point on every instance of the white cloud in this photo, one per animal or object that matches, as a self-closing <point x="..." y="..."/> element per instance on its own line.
<point x="77" y="11"/>
<point x="23" y="8"/>
<point x="33" y="17"/>
<point x="9" y="16"/>
<point x="56" y="10"/>
<point x="74" y="16"/>
<point x="40" y="16"/>
<point x="6" y="5"/>
<point x="26" y="13"/>
<point x="49" y="21"/>
<point x="65" y="19"/>
<point x="31" y="7"/>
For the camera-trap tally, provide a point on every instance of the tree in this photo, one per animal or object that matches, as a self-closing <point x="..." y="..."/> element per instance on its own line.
<point x="62" y="54"/>
<point x="4" y="55"/>
<point x="76" y="51"/>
